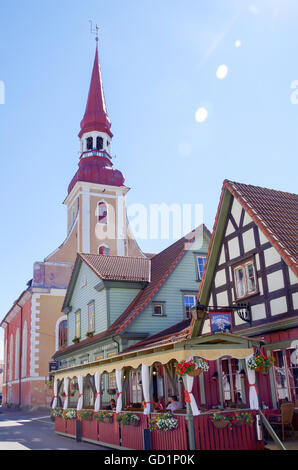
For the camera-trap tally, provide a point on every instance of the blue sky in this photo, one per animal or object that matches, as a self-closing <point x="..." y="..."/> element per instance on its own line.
<point x="159" y="61"/>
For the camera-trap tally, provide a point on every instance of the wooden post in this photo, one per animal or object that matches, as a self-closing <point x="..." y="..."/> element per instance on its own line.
<point x="78" y="430"/>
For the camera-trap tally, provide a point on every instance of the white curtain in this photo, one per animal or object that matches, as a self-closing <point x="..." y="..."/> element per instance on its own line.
<point x="66" y="388"/>
<point x="55" y="401"/>
<point x="188" y="385"/>
<point x="146" y="390"/>
<point x="81" y="389"/>
<point x="253" y="394"/>
<point x="97" y="383"/>
<point x="120" y="392"/>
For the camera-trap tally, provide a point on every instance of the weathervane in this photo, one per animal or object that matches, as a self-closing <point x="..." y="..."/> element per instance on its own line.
<point x="94" y="30"/>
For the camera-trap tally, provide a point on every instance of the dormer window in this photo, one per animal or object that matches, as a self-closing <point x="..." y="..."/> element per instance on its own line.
<point x="99" y="143"/>
<point x="89" y="143"/>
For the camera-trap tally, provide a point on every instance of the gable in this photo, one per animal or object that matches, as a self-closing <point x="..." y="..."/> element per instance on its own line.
<point x="182" y="281"/>
<point x="242" y="240"/>
<point x="83" y="293"/>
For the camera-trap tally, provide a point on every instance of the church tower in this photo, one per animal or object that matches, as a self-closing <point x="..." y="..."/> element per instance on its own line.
<point x="96" y="201"/>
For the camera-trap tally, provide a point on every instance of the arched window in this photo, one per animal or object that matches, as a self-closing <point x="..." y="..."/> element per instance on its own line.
<point x="24" y="350"/>
<point x="62" y="340"/>
<point x="89" y="143"/>
<point x="104" y="250"/>
<point x="99" y="143"/>
<point x="10" y="358"/>
<point x="102" y="212"/>
<point x="17" y="355"/>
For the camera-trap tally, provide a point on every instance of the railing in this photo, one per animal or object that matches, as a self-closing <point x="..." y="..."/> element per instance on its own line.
<point x="244" y="437"/>
<point x="271" y="431"/>
<point x="96" y="153"/>
<point x="206" y="435"/>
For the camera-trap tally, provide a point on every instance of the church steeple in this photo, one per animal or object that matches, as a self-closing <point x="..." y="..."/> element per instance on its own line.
<point x="96" y="116"/>
<point x="95" y="133"/>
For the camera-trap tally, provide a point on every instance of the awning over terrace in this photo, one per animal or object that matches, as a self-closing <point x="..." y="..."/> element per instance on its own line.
<point x="209" y="347"/>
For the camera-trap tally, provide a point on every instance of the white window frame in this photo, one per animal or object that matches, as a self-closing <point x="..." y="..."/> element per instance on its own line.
<point x="161" y="305"/>
<point x="198" y="269"/>
<point x="195" y="301"/>
<point x="243" y="266"/>
<point x="91" y="324"/>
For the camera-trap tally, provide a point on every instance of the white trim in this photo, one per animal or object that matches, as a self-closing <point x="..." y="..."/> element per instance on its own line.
<point x="34" y="349"/>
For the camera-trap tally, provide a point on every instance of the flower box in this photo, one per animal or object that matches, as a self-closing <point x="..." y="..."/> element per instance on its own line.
<point x="84" y="415"/>
<point x="163" y="422"/>
<point x="221" y="421"/>
<point x="104" y="417"/>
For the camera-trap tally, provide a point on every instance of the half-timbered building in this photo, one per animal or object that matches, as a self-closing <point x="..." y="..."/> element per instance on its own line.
<point x="250" y="285"/>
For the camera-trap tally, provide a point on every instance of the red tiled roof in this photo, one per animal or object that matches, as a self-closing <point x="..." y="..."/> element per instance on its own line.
<point x="119" y="268"/>
<point x="276" y="214"/>
<point x="162" y="265"/>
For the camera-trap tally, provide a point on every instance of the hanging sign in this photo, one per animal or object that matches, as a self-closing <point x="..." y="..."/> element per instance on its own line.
<point x="220" y="322"/>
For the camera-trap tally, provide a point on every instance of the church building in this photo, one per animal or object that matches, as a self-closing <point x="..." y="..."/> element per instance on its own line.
<point x="96" y="224"/>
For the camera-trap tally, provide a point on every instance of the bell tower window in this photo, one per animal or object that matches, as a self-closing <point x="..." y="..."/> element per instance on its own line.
<point x="99" y="143"/>
<point x="89" y="143"/>
<point x="102" y="212"/>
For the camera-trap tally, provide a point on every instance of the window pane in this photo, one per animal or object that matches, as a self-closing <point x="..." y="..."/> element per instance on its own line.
<point x="240" y="287"/>
<point x="78" y="325"/>
<point x="280" y="376"/>
<point x="189" y="302"/>
<point x="91" y="317"/>
<point x="201" y="261"/>
<point x="251" y="280"/>
<point x="158" y="309"/>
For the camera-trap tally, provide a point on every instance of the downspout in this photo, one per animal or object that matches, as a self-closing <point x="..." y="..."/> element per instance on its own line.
<point x="20" y="355"/>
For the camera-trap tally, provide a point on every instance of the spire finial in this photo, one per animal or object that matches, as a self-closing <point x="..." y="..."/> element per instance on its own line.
<point x="94" y="31"/>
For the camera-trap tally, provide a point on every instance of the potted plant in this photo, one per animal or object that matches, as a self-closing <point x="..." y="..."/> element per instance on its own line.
<point x="221" y="420"/>
<point x="69" y="413"/>
<point x="89" y="334"/>
<point x="76" y="340"/>
<point x="84" y="415"/>
<point x="163" y="422"/>
<point x="260" y="363"/>
<point x="104" y="416"/>
<point x="195" y="367"/>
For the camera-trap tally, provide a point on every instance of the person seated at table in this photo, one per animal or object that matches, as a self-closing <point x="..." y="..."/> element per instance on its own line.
<point x="174" y="404"/>
<point x="112" y="405"/>
<point x="157" y="406"/>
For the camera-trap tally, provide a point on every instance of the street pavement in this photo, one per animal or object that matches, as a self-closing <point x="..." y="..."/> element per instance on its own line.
<point x="20" y="430"/>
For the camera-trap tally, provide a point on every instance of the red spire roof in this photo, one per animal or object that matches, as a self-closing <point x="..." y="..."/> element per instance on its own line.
<point x="96" y="117"/>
